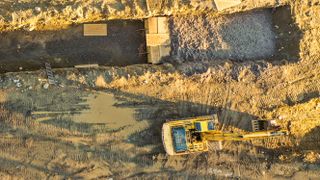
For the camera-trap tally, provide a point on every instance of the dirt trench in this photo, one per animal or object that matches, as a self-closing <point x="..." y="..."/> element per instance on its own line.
<point x="29" y="50"/>
<point x="268" y="34"/>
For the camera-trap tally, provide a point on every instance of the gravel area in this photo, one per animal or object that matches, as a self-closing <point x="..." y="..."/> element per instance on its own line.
<point x="241" y="36"/>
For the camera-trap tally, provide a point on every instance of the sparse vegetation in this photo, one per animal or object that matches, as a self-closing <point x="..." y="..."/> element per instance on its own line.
<point x="3" y="96"/>
<point x="40" y="138"/>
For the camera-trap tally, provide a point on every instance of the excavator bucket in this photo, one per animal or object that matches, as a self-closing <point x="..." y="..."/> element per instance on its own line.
<point x="264" y="125"/>
<point x="259" y="125"/>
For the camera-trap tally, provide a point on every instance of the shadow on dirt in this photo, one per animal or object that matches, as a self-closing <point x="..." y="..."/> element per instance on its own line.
<point x="57" y="99"/>
<point x="156" y="112"/>
<point x="288" y="33"/>
<point x="124" y="45"/>
<point x="153" y="110"/>
<point x="311" y="140"/>
<point x="302" y="98"/>
<point x="11" y="162"/>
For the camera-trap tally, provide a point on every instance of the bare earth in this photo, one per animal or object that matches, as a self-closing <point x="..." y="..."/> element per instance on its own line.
<point x="106" y="122"/>
<point x="238" y="37"/>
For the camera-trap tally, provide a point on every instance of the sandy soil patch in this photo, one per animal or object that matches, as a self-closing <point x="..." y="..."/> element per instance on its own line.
<point x="241" y="36"/>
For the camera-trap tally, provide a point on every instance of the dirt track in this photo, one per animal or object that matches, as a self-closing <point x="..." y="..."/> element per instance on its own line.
<point x="62" y="145"/>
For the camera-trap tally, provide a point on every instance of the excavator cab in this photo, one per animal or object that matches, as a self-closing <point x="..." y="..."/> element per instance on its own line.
<point x="186" y="136"/>
<point x="192" y="135"/>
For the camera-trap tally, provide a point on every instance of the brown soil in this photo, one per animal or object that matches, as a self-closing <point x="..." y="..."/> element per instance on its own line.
<point x="42" y="136"/>
<point x="124" y="45"/>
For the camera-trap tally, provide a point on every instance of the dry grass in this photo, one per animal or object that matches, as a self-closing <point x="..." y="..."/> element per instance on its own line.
<point x="260" y="95"/>
<point x="6" y="116"/>
<point x="3" y="96"/>
<point x="12" y="118"/>
<point x="100" y="82"/>
<point x="311" y="157"/>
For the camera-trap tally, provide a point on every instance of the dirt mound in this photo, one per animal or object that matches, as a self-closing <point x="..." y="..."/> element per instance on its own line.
<point x="56" y="14"/>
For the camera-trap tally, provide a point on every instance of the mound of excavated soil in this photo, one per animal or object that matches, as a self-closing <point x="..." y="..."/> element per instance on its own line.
<point x="240" y="36"/>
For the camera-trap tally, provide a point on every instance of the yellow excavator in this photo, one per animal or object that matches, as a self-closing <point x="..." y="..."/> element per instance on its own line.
<point x="192" y="135"/>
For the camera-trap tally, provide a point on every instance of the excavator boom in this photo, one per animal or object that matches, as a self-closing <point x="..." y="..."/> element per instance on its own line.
<point x="242" y="137"/>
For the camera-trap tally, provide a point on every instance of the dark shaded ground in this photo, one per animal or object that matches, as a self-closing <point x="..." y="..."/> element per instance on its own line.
<point x="124" y="45"/>
<point x="288" y="34"/>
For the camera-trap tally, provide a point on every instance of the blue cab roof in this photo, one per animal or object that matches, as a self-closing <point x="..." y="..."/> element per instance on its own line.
<point x="179" y="139"/>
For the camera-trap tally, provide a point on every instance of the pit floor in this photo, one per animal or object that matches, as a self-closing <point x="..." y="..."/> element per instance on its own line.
<point x="124" y="45"/>
<point x="268" y="34"/>
<point x="262" y="34"/>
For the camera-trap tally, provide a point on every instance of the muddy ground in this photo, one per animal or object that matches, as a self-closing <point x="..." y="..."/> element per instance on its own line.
<point x="124" y="45"/>
<point x="63" y="131"/>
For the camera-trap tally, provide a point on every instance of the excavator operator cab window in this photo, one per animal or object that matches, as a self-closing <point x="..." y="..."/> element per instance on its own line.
<point x="179" y="139"/>
<point x="210" y="125"/>
<point x="204" y="126"/>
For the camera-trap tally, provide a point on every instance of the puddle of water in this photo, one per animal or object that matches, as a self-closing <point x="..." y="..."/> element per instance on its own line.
<point x="84" y="112"/>
<point x="102" y="110"/>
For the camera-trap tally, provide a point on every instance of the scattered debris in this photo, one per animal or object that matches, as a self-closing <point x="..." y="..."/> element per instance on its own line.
<point x="51" y="145"/>
<point x="50" y="76"/>
<point x="38" y="9"/>
<point x="46" y="85"/>
<point x="87" y="66"/>
<point x="18" y="85"/>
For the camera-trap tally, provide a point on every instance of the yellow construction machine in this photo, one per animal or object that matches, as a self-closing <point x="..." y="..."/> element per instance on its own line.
<point x="191" y="135"/>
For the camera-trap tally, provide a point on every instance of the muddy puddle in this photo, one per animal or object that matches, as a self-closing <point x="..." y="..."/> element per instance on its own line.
<point x="94" y="112"/>
<point x="102" y="110"/>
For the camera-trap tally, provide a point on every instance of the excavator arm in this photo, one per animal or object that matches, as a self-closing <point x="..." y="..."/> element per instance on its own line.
<point x="209" y="136"/>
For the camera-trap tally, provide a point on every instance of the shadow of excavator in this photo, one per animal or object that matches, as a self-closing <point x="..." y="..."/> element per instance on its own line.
<point x="156" y="111"/>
